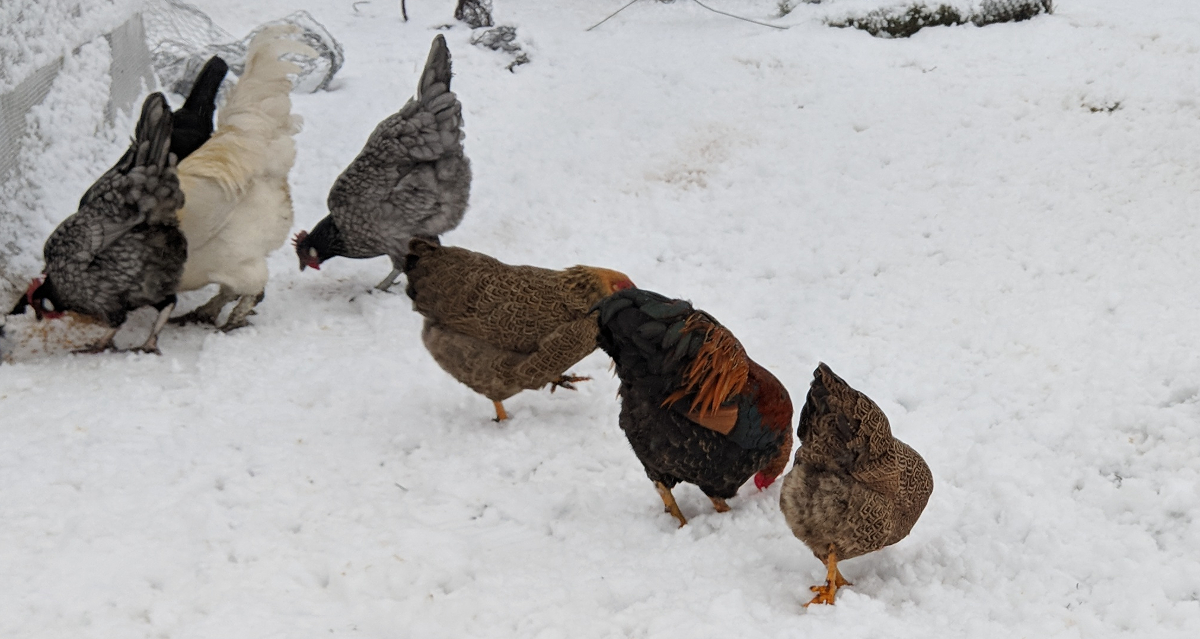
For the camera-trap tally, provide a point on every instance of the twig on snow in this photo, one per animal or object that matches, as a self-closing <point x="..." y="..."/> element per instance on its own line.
<point x="610" y="16"/>
<point x="724" y="13"/>
<point x="773" y="26"/>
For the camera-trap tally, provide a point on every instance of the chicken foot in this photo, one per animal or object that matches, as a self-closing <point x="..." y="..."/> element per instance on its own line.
<point x="567" y="381"/>
<point x="151" y="343"/>
<point x="719" y="504"/>
<point x="833" y="581"/>
<point x="208" y="313"/>
<point x="669" y="501"/>
<point x="389" y="281"/>
<point x="501" y="415"/>
<point x="104" y="344"/>
<point x="237" y="317"/>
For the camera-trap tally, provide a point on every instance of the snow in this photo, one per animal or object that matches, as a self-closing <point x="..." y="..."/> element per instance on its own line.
<point x="36" y="32"/>
<point x="991" y="231"/>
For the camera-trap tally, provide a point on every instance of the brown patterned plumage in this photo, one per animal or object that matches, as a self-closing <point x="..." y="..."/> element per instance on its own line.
<point x="854" y="488"/>
<point x="501" y="329"/>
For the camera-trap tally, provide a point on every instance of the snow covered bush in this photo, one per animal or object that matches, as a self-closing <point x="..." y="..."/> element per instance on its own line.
<point x="905" y="20"/>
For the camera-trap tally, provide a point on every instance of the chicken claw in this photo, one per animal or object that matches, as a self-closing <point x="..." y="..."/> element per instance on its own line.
<point x="833" y="581"/>
<point x="719" y="504"/>
<point x="669" y="502"/>
<point x="501" y="414"/>
<point x="105" y="344"/>
<point x="567" y="382"/>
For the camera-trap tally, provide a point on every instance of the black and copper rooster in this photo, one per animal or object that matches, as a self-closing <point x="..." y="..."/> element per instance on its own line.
<point x="694" y="406"/>
<point x="122" y="249"/>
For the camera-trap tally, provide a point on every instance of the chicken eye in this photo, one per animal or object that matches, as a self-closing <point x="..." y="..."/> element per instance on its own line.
<point x="47" y="305"/>
<point x="312" y="252"/>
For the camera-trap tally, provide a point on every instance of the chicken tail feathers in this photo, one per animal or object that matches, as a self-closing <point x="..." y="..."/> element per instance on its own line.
<point x="254" y="127"/>
<point x="260" y="99"/>
<point x="203" y="97"/>
<point x="194" y="120"/>
<point x="435" y="79"/>
<point x="152" y="137"/>
<point x="843" y="427"/>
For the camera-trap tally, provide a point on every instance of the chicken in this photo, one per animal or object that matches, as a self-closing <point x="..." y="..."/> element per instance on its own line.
<point x="122" y="249"/>
<point x="502" y="329"/>
<point x="194" y="120"/>
<point x="694" y="407"/>
<point x="410" y="180"/>
<point x="854" y="488"/>
<point x="239" y="206"/>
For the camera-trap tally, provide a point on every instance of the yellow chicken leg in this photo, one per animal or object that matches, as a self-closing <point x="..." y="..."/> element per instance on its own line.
<point x="500" y="414"/>
<point x="833" y="581"/>
<point x="669" y="502"/>
<point x="719" y="504"/>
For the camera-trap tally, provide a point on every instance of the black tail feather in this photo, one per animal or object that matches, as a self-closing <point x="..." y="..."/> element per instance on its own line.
<point x="194" y="121"/>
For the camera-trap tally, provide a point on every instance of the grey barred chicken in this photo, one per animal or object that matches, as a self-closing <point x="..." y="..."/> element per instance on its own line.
<point x="854" y="488"/>
<point x="412" y="179"/>
<point x="122" y="249"/>
<point x="501" y="329"/>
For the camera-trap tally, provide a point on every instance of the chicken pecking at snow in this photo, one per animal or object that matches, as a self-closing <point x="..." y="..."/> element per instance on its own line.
<point x="854" y="488"/>
<point x="412" y="179"/>
<point x="501" y="329"/>
<point x="694" y="407"/>
<point x="122" y="249"/>
<point x="239" y="204"/>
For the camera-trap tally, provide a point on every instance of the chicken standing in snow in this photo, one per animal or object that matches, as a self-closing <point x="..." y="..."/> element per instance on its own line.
<point x="854" y="488"/>
<point x="122" y="249"/>
<point x="694" y="406"/>
<point x="194" y="120"/>
<point x="501" y="329"/>
<point x="239" y="206"/>
<point x="410" y="180"/>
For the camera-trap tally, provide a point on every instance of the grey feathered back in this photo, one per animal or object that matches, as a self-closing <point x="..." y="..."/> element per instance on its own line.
<point x="123" y="249"/>
<point x="412" y="177"/>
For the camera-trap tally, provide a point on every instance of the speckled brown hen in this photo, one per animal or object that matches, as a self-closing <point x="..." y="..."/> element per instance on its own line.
<point x="854" y="488"/>
<point x="694" y="407"/>
<point x="501" y="329"/>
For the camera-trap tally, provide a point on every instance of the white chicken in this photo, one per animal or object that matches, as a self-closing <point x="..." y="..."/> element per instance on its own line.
<point x="239" y="206"/>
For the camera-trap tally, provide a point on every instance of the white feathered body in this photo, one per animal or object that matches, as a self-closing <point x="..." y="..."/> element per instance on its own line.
<point x="239" y="206"/>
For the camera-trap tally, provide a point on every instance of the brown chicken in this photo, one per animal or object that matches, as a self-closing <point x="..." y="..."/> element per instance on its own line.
<point x="694" y="407"/>
<point x="854" y="488"/>
<point x="501" y="329"/>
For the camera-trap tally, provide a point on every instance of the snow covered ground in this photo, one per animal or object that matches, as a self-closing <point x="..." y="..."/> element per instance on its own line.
<point x="990" y="231"/>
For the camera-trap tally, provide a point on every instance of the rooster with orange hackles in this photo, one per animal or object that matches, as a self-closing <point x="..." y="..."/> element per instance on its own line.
<point x="694" y="406"/>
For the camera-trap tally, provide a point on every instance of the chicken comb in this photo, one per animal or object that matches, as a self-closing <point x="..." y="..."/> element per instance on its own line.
<point x="33" y="286"/>
<point x="300" y="237"/>
<point x="718" y="372"/>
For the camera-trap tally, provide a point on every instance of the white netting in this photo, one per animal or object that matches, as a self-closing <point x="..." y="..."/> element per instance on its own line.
<point x="169" y="39"/>
<point x="118" y="74"/>
<point x="182" y="38"/>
